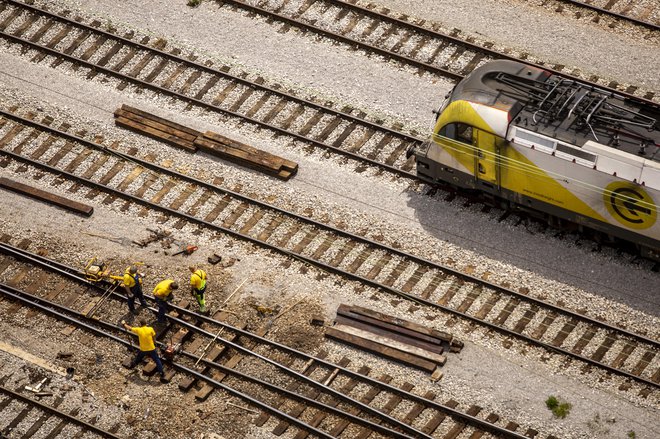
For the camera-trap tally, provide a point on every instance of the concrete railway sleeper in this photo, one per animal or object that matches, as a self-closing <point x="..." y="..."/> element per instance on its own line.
<point x="439" y="287"/>
<point x="398" y="38"/>
<point x="390" y="157"/>
<point x="70" y="273"/>
<point x="48" y="412"/>
<point x="628" y="11"/>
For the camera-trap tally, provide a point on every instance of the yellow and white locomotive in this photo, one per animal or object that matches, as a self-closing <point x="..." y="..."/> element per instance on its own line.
<point x="567" y="151"/>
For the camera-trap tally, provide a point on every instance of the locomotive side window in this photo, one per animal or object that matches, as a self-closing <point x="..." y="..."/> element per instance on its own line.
<point x="464" y="133"/>
<point x="457" y="131"/>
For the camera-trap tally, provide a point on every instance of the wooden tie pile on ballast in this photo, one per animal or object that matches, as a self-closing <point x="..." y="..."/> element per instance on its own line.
<point x="212" y="143"/>
<point x="391" y="337"/>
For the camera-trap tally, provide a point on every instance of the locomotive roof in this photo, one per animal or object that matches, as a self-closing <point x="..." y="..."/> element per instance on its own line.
<point x="563" y="109"/>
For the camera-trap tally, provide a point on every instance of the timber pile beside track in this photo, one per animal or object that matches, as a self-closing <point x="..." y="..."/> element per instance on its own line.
<point x="56" y="39"/>
<point x="155" y="66"/>
<point x="125" y="179"/>
<point x="356" y="404"/>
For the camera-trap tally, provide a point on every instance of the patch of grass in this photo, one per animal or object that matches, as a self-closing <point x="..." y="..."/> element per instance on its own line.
<point x="194" y="3"/>
<point x="631" y="434"/>
<point x="558" y="408"/>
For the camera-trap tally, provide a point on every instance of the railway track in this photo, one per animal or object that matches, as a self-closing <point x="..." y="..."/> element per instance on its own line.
<point x="54" y="39"/>
<point x="645" y="15"/>
<point x="110" y="176"/>
<point x="57" y="39"/>
<point x="33" y="417"/>
<point x="399" y="37"/>
<point x="358" y="406"/>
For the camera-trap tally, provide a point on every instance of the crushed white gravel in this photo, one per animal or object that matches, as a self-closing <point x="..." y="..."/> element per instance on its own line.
<point x="514" y="386"/>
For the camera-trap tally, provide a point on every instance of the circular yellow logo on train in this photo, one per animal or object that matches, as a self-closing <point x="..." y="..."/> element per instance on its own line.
<point x="630" y="205"/>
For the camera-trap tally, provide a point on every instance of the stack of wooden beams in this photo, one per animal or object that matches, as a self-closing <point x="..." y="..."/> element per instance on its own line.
<point x="246" y="155"/>
<point x="391" y="337"/>
<point x="209" y="142"/>
<point x="156" y="127"/>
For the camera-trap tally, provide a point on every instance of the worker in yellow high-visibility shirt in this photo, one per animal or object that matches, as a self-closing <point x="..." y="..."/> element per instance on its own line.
<point x="198" y="280"/>
<point x="133" y="287"/>
<point x="147" y="336"/>
<point x="163" y="294"/>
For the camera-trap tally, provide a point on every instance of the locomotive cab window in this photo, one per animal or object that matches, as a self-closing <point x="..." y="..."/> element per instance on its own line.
<point x="457" y="131"/>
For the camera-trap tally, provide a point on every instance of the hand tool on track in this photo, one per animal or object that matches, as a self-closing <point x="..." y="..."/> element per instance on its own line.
<point x="37" y="388"/>
<point x="188" y="250"/>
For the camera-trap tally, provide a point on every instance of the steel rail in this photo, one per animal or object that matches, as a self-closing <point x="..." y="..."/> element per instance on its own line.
<point x="352" y="42"/>
<point x="59" y="313"/>
<point x="387" y="387"/>
<point x="373" y="283"/>
<point x="419" y="29"/>
<point x="600" y="10"/>
<point x="403" y="254"/>
<point x="46" y="408"/>
<point x="75" y="274"/>
<point x="196" y="65"/>
<point x="207" y="106"/>
<point x="491" y="52"/>
<point x="78" y="276"/>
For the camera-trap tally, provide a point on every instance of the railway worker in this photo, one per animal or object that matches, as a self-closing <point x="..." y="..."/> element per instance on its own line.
<point x="163" y="294"/>
<point x="133" y="286"/>
<point x="198" y="280"/>
<point x="147" y="336"/>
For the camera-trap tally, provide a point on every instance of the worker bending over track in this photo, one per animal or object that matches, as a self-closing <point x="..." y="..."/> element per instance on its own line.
<point x="133" y="286"/>
<point x="146" y="335"/>
<point x="198" y="283"/>
<point x="163" y="294"/>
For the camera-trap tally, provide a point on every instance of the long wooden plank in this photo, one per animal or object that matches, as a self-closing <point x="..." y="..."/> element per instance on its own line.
<point x="389" y="334"/>
<point x="214" y="143"/>
<point x="286" y="164"/>
<point x="381" y="325"/>
<point x="179" y="127"/>
<point x="231" y="152"/>
<point x="243" y="158"/>
<point x="380" y="349"/>
<point x="159" y="123"/>
<point x="386" y="341"/>
<point x="414" y="329"/>
<point x="48" y="197"/>
<point x="154" y="133"/>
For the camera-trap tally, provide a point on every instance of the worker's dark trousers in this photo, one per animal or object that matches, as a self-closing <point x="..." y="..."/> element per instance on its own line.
<point x="153" y="355"/>
<point x="136" y="293"/>
<point x="162" y="309"/>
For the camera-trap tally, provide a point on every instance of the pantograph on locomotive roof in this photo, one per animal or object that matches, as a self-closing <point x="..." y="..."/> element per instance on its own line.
<point x="575" y="112"/>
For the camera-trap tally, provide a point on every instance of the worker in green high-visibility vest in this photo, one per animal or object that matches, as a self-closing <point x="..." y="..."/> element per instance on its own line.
<point x="198" y="280"/>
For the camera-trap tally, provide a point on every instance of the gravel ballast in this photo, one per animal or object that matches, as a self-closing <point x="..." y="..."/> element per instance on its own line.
<point x="500" y="379"/>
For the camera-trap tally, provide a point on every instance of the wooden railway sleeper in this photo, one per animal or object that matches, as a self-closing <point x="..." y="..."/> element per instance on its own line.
<point x="57" y="310"/>
<point x="67" y="271"/>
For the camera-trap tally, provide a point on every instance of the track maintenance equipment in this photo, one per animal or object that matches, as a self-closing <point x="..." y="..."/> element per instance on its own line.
<point x="97" y="271"/>
<point x="168" y="352"/>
